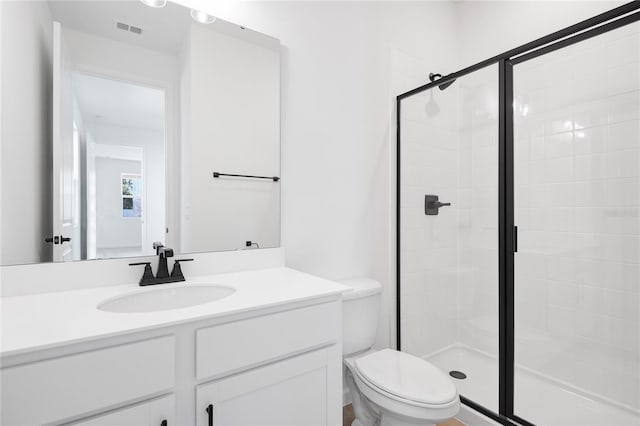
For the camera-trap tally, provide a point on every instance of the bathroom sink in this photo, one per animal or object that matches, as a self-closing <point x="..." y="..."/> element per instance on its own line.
<point x="164" y="299"/>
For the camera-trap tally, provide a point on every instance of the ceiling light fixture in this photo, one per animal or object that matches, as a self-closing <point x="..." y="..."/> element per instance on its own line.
<point x="203" y="18"/>
<point x="155" y="3"/>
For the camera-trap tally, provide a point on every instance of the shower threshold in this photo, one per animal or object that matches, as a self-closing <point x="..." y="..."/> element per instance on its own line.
<point x="562" y="405"/>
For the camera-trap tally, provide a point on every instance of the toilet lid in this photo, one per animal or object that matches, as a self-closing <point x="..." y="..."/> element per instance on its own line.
<point x="406" y="376"/>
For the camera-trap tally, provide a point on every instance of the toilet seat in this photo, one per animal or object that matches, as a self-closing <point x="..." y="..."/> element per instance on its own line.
<point x="406" y="378"/>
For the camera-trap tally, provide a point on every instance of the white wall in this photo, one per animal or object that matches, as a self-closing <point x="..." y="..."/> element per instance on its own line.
<point x="101" y="55"/>
<point x="488" y="28"/>
<point x="342" y="65"/>
<point x="25" y="132"/>
<point x="151" y="143"/>
<point x="114" y="230"/>
<point x="230" y="96"/>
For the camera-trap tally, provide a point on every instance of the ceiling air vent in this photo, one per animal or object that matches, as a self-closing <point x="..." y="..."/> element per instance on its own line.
<point x="129" y="28"/>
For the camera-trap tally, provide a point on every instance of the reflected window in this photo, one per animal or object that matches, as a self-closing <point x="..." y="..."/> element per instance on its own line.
<point x="131" y="195"/>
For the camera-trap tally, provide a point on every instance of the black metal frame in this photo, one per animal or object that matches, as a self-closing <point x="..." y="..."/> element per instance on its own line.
<point x="605" y="22"/>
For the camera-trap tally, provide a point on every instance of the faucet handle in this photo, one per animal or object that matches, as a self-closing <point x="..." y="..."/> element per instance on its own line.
<point x="177" y="270"/>
<point x="148" y="272"/>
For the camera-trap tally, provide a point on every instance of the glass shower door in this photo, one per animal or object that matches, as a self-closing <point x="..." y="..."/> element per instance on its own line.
<point x="449" y="255"/>
<point x="577" y="203"/>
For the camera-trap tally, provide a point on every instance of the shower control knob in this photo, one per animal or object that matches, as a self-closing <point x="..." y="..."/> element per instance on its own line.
<point x="432" y="205"/>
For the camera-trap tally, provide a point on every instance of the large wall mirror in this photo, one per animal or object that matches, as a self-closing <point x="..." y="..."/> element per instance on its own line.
<point x="115" y="118"/>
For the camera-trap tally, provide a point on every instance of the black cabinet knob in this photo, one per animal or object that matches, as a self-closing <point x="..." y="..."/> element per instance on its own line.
<point x="164" y="423"/>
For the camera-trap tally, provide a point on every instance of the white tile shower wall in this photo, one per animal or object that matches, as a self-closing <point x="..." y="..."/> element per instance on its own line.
<point x="476" y="300"/>
<point x="578" y="212"/>
<point x="429" y="244"/>
<point x="449" y="263"/>
<point x="478" y="210"/>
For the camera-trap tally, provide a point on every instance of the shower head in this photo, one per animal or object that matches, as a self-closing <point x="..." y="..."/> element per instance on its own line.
<point x="432" y="108"/>
<point x="447" y="84"/>
<point x="434" y="77"/>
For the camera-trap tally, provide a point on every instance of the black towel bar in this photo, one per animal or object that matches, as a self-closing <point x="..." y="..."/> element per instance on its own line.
<point x="273" y="178"/>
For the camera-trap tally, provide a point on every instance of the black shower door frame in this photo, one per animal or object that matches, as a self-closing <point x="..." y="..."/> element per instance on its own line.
<point x="507" y="231"/>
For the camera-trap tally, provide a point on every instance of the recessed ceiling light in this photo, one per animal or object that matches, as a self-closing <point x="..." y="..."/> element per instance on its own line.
<point x="155" y="3"/>
<point x="203" y="18"/>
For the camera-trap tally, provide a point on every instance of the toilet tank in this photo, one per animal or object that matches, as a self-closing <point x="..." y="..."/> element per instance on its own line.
<point x="360" y="307"/>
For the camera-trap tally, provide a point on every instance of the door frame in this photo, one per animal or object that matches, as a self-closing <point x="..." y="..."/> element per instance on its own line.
<point x="171" y="166"/>
<point x="507" y="231"/>
<point x="171" y="161"/>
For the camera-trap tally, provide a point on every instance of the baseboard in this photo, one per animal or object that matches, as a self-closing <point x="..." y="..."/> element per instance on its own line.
<point x="471" y="417"/>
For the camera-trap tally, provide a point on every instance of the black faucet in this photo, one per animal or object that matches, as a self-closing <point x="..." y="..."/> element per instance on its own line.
<point x="163" y="253"/>
<point x="162" y="275"/>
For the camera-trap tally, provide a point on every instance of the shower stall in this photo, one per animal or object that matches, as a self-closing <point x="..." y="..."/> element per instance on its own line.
<point x="518" y="226"/>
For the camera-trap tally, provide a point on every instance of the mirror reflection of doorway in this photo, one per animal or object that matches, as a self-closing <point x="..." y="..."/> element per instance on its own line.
<point x="122" y="136"/>
<point x="118" y="230"/>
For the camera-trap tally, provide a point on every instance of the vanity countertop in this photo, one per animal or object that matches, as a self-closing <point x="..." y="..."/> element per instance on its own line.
<point x="49" y="320"/>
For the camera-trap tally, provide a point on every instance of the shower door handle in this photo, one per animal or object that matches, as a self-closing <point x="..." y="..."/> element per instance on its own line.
<point x="432" y="205"/>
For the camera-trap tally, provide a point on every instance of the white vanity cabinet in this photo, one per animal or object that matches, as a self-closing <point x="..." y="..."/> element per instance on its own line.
<point x="291" y="392"/>
<point x="298" y="387"/>
<point x="53" y="391"/>
<point x="271" y="366"/>
<point x="156" y="412"/>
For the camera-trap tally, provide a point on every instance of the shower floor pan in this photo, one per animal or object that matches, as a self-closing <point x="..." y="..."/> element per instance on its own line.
<point x="539" y="400"/>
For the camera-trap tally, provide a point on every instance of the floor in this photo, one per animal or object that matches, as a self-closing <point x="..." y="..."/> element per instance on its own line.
<point x="538" y="399"/>
<point x="347" y="418"/>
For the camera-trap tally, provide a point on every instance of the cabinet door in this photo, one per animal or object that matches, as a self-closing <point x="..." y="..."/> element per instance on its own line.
<point x="290" y="392"/>
<point x="148" y="413"/>
<point x="89" y="382"/>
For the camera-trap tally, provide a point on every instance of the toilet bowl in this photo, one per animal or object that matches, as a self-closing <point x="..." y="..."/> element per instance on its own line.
<point x="388" y="387"/>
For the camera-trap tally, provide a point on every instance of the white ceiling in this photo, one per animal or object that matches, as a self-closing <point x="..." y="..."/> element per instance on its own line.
<point x="118" y="103"/>
<point x="163" y="28"/>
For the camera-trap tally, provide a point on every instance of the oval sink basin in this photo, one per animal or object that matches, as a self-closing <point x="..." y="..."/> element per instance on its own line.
<point x="164" y="299"/>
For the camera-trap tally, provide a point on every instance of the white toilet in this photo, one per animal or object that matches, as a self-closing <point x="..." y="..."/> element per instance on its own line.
<point x="388" y="387"/>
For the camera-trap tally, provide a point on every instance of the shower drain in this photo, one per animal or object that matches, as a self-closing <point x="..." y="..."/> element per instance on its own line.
<point x="457" y="374"/>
